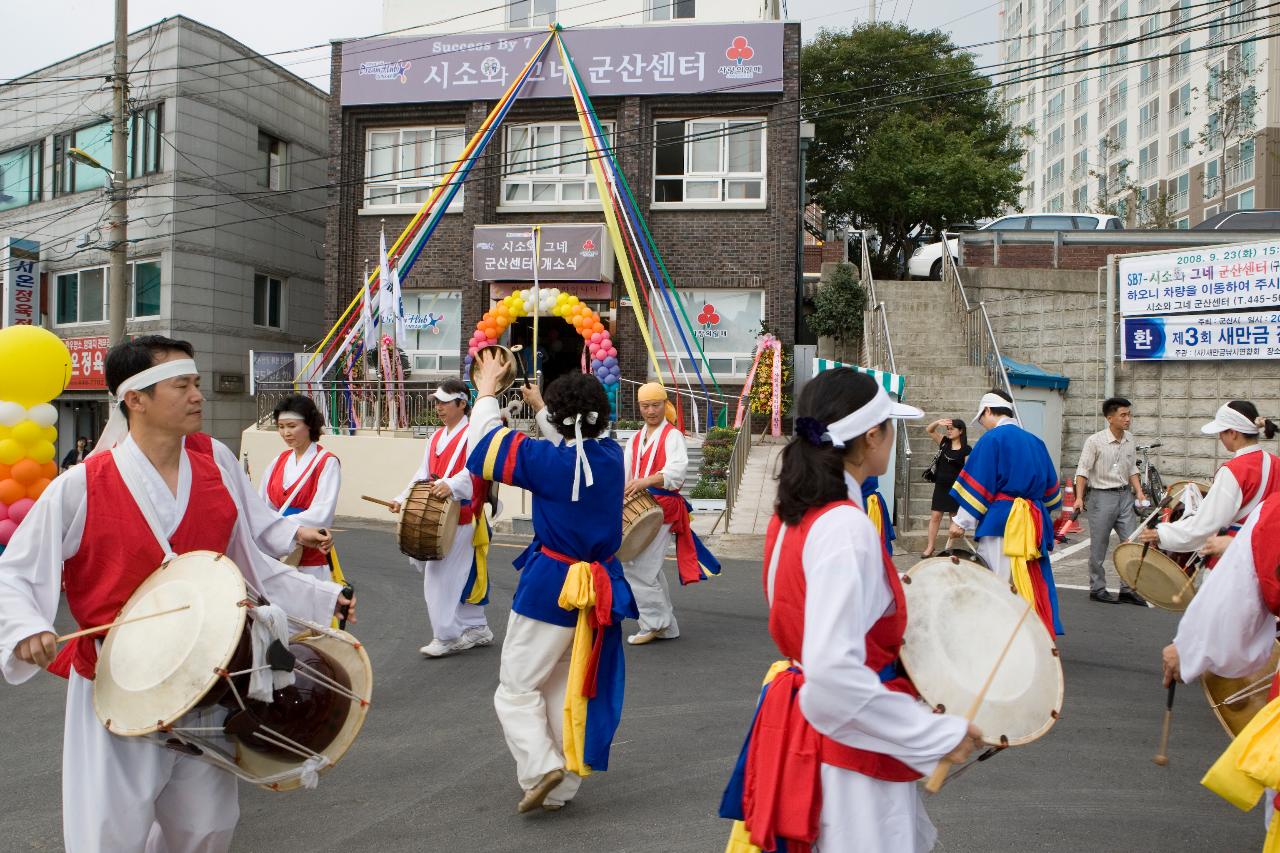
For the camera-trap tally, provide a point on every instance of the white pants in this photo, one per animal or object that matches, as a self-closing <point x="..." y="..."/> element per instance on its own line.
<point x="991" y="549"/>
<point x="532" y="681"/>
<point x="123" y="794"/>
<point x="649" y="586"/>
<point x="871" y="816"/>
<point x="442" y="584"/>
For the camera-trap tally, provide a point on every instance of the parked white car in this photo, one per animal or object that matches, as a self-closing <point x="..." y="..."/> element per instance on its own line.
<point x="927" y="260"/>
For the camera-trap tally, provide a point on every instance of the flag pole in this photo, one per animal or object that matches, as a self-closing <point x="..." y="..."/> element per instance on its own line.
<point x="537" y="301"/>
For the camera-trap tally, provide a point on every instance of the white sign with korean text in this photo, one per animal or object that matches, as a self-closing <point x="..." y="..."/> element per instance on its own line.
<point x="1242" y="276"/>
<point x="1244" y="335"/>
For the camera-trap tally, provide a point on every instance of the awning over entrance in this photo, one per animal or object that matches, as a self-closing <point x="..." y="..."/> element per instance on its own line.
<point x="891" y="382"/>
<point x="1031" y="376"/>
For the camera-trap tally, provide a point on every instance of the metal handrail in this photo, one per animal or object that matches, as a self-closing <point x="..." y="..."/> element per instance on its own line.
<point x="980" y="337"/>
<point x="737" y="465"/>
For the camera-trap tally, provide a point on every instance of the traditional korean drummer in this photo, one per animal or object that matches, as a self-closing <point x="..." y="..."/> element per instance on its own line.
<point x="456" y="588"/>
<point x="98" y="531"/>
<point x="656" y="460"/>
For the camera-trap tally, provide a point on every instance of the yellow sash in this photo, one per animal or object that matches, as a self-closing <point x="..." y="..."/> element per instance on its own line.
<point x="1249" y="766"/>
<point x="1021" y="545"/>
<point x="578" y="593"/>
<point x="480" y="541"/>
<point x="875" y="513"/>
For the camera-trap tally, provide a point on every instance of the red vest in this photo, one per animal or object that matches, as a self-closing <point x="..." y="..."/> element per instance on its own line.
<point x="652" y="461"/>
<point x="118" y="551"/>
<point x="883" y="641"/>
<point x="278" y="494"/>
<point x="1255" y="482"/>
<point x="438" y="464"/>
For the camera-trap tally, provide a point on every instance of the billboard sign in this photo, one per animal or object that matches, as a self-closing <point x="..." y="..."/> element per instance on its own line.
<point x="1243" y="276"/>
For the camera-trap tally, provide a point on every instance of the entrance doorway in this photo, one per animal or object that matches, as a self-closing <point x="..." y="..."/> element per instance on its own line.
<point x="559" y="347"/>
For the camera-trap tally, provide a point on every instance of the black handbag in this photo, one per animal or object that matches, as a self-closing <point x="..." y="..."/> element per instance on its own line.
<point x="930" y="474"/>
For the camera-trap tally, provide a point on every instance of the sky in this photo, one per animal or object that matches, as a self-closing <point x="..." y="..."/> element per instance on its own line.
<point x="55" y="29"/>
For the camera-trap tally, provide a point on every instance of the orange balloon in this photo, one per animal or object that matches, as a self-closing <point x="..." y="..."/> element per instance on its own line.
<point x="11" y="490"/>
<point x="26" y="471"/>
<point x="36" y="489"/>
<point x="597" y="326"/>
<point x="49" y="470"/>
<point x="6" y="472"/>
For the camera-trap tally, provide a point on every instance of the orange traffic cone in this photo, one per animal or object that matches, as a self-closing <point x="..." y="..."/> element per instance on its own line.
<point x="1067" y="522"/>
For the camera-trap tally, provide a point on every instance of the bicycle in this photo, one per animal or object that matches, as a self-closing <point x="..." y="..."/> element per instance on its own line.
<point x="1149" y="475"/>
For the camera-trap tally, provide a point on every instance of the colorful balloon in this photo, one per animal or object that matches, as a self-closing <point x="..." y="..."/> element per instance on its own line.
<point x="44" y="414"/>
<point x="27" y="432"/>
<point x="35" y="365"/>
<point x="11" y="451"/>
<point x="19" y="510"/>
<point x="7" y="527"/>
<point x="42" y="451"/>
<point x="11" y="491"/>
<point x="35" y="490"/>
<point x="26" y="471"/>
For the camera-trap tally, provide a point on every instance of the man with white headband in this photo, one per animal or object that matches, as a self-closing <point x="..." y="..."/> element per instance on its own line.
<point x="656" y="459"/>
<point x="1006" y="491"/>
<point x="560" y="685"/>
<point x="456" y="587"/>
<point x="155" y="485"/>
<point x="1241" y="484"/>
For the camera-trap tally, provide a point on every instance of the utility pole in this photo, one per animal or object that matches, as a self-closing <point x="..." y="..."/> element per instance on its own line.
<point x="118" y="290"/>
<point x="871" y="11"/>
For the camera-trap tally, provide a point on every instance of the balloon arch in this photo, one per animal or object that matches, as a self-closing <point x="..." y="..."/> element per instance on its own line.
<point x="553" y="303"/>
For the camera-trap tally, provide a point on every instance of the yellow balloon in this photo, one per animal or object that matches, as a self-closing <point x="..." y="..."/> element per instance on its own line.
<point x="27" y="433"/>
<point x="5" y="432"/>
<point x="42" y="452"/>
<point x="35" y="366"/>
<point x="10" y="450"/>
<point x="50" y="433"/>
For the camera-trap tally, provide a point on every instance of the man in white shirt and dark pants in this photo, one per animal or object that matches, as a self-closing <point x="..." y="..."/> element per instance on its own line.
<point x="1108" y="469"/>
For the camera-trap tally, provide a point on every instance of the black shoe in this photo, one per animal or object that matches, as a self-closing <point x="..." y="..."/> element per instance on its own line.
<point x="1128" y="596"/>
<point x="1105" y="597"/>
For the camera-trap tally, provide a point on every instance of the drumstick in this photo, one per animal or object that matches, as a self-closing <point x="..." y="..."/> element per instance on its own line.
<point x="387" y="504"/>
<point x="87" y="631"/>
<point x="944" y="766"/>
<point x="1161" y="757"/>
<point x="1177" y="598"/>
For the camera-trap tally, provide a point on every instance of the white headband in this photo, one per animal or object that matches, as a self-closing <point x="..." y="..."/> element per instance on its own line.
<point x="581" y="465"/>
<point x="1228" y="418"/>
<point x="447" y="397"/>
<point x="290" y="416"/>
<point x="991" y="401"/>
<point x="877" y="411"/>
<point x="117" y="426"/>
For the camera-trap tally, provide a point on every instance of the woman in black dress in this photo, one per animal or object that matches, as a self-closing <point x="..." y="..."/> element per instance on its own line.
<point x="953" y="447"/>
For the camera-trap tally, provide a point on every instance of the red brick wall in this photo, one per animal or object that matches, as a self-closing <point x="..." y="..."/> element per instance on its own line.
<point x="1040" y="255"/>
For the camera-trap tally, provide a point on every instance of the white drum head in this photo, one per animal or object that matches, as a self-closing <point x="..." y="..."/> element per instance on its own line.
<point x="152" y="672"/>
<point x="959" y="617"/>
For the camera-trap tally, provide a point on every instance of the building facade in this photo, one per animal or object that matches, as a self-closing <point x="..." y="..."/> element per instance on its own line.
<point x="225" y="185"/>
<point x="1164" y="113"/>
<point x="712" y="165"/>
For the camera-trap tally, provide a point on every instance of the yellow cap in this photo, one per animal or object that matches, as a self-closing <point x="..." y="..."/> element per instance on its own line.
<point x="650" y="392"/>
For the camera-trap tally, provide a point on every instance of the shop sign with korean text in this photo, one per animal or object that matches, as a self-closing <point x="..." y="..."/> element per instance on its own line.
<point x="643" y="60"/>
<point x="569" y="252"/>
<point x="1242" y="276"/>
<point x="88" y="359"/>
<point x="1202" y="337"/>
<point x="20" y="260"/>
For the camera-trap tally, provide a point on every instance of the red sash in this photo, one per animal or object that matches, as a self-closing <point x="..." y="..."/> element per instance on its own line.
<point x="601" y="615"/>
<point x="278" y="494"/>
<point x="118" y="551"/>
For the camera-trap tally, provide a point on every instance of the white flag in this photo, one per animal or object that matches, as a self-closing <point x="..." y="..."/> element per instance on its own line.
<point x="398" y="296"/>
<point x="368" y="321"/>
<point x="386" y="289"/>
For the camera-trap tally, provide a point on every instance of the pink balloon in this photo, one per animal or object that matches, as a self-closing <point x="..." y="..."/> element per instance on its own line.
<point x="595" y="337"/>
<point x="18" y="510"/>
<point x="4" y="512"/>
<point x="613" y="352"/>
<point x="7" y="529"/>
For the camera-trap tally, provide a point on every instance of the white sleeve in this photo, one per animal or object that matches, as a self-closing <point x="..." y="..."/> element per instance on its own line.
<point x="677" y="461"/>
<point x="548" y="430"/>
<point x="460" y="483"/>
<point x="31" y="567"/>
<point x="266" y="478"/>
<point x="301" y="595"/>
<point x="423" y="473"/>
<point x="964" y="519"/>
<point x="271" y="532"/>
<point x="486" y="416"/>
<point x="627" y="464"/>
<point x="842" y="697"/>
<point x="325" y="503"/>
<point x="1227" y="628"/>
<point x="1217" y="510"/>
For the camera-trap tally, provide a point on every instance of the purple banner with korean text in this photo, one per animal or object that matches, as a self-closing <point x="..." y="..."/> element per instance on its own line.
<point x="1241" y="276"/>
<point x="642" y="60"/>
<point x="1202" y="337"/>
<point x="568" y="252"/>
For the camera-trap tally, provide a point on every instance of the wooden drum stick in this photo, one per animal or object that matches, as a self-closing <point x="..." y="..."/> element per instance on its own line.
<point x="1161" y="757"/>
<point x="944" y="766"/>
<point x="87" y="631"/>
<point x="387" y="504"/>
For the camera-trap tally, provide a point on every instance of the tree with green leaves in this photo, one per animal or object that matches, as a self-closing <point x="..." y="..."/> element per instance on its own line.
<point x="838" y="310"/>
<point x="908" y="134"/>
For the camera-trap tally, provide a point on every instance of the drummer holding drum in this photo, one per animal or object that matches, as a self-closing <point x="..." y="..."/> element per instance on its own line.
<point x="455" y="587"/>
<point x="156" y="486"/>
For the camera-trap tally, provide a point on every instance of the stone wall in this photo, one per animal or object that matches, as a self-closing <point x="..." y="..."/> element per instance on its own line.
<point x="1054" y="318"/>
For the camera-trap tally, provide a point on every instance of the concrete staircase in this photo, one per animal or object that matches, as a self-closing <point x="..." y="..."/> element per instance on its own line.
<point x="929" y="350"/>
<point x="754" y="506"/>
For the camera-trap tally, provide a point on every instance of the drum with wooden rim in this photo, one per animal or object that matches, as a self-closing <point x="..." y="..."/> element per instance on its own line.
<point x="641" y="521"/>
<point x="959" y="618"/>
<point x="1235" y="701"/>
<point x="427" y="524"/>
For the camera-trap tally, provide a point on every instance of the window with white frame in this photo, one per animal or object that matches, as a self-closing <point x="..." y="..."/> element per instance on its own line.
<point x="666" y="10"/>
<point x="268" y="301"/>
<point x="80" y="296"/>
<point x="1241" y="201"/>
<point x="433" y="334"/>
<point x="402" y="165"/>
<point x="726" y="324"/>
<point x="709" y="162"/>
<point x="548" y="164"/>
<point x="531" y="13"/>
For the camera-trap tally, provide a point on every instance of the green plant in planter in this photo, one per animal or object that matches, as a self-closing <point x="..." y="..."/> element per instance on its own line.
<point x="722" y="435"/>
<point x="709" y="488"/>
<point x="628" y="424"/>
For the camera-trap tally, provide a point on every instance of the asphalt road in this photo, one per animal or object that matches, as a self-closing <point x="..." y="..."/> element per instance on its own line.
<point x="430" y="771"/>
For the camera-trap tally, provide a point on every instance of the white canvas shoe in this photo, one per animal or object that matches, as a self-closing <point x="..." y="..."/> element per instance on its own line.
<point x="437" y="649"/>
<point x="479" y="635"/>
